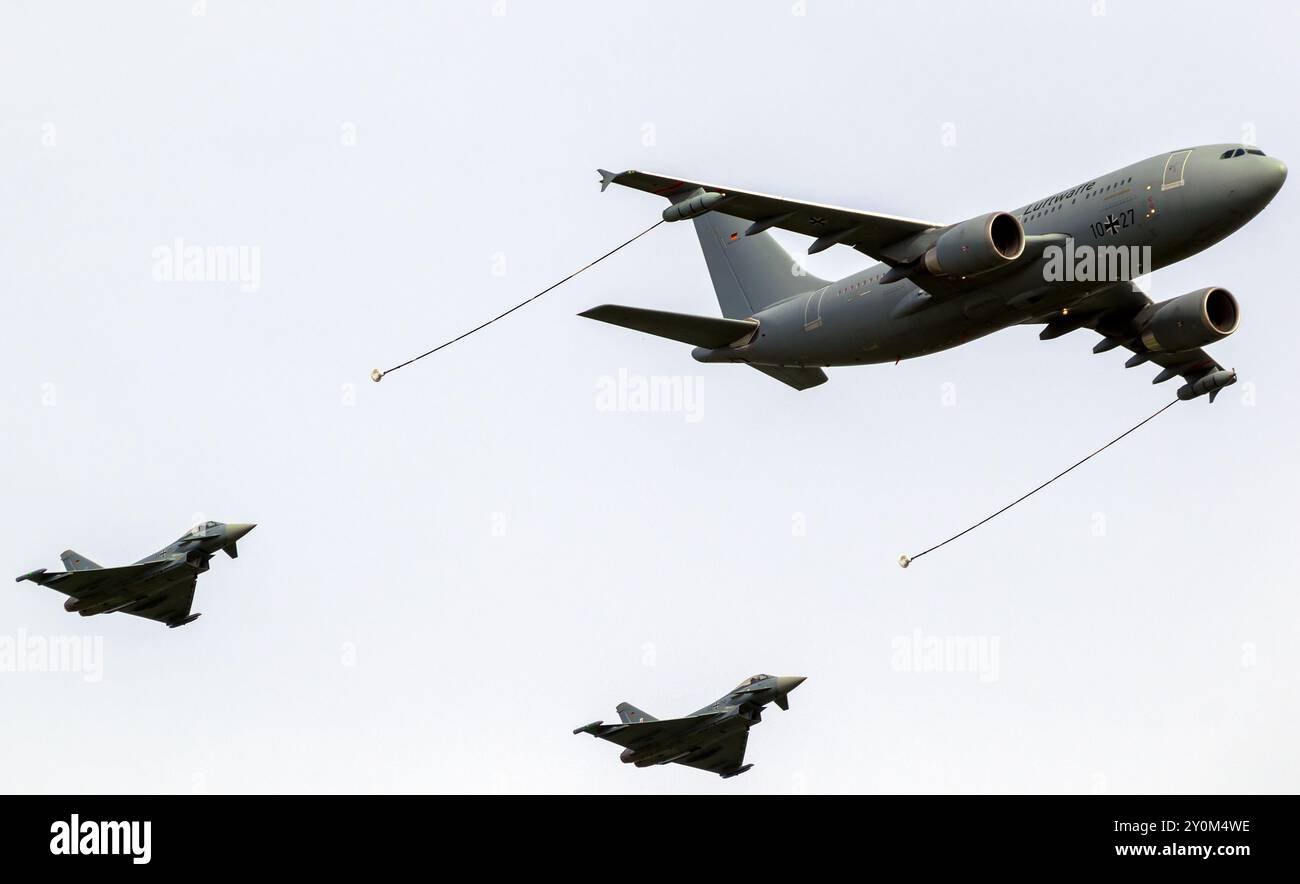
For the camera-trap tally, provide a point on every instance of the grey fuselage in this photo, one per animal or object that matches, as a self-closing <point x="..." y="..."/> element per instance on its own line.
<point x="737" y="711"/>
<point x="174" y="566"/>
<point x="857" y="320"/>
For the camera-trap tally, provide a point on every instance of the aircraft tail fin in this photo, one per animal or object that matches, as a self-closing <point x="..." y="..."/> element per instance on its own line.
<point x="75" y="561"/>
<point x="629" y="714"/>
<point x="750" y="273"/>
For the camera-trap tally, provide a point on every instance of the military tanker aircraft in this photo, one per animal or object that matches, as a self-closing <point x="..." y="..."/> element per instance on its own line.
<point x="1064" y="262"/>
<point x="712" y="739"/>
<point x="158" y="587"/>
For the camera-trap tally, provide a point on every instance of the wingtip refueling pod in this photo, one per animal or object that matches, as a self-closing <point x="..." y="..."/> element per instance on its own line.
<point x="694" y="207"/>
<point x="1212" y="383"/>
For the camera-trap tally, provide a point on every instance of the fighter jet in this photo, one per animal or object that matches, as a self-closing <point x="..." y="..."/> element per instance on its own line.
<point x="1064" y="262"/>
<point x="711" y="739"/>
<point x="159" y="587"/>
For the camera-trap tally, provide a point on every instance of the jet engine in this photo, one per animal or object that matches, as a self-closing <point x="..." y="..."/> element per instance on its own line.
<point x="977" y="246"/>
<point x="1191" y="320"/>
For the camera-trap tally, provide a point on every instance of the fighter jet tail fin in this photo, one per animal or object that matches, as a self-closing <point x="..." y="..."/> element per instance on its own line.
<point x="75" y="561"/>
<point x="629" y="714"/>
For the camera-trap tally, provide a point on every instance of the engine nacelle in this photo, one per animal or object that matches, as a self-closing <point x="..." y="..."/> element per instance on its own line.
<point x="977" y="246"/>
<point x="1191" y="320"/>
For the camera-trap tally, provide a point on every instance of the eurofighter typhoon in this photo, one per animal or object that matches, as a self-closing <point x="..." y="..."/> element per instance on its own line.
<point x="712" y="739"/>
<point x="159" y="587"/>
<point x="1064" y="262"/>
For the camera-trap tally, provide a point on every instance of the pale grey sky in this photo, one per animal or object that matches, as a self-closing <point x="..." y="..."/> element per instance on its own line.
<point x="456" y="567"/>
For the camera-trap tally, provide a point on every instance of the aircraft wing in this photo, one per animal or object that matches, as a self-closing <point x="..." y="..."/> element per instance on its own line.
<point x="898" y="242"/>
<point x="720" y="758"/>
<point x="170" y="606"/>
<point x="868" y="232"/>
<point x="81" y="583"/>
<point x="636" y="735"/>
<point x="1113" y="313"/>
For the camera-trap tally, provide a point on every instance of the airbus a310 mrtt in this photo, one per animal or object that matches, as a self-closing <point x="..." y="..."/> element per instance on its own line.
<point x="940" y="285"/>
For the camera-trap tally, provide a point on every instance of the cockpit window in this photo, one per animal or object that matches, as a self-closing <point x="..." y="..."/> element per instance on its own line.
<point x="752" y="680"/>
<point x="1256" y="152"/>
<point x="1240" y="152"/>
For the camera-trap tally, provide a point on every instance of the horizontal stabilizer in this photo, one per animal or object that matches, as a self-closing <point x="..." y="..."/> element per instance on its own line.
<point x="702" y="331"/>
<point x="799" y="378"/>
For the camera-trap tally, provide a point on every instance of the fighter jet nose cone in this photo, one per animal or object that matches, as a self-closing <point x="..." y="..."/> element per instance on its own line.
<point x="787" y="683"/>
<point x="238" y="530"/>
<point x="784" y="685"/>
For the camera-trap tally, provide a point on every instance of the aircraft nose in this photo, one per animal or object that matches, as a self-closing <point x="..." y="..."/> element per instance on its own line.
<point x="1264" y="178"/>
<point x="1279" y="170"/>
<point x="237" y="530"/>
<point x="784" y="685"/>
<point x="787" y="683"/>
